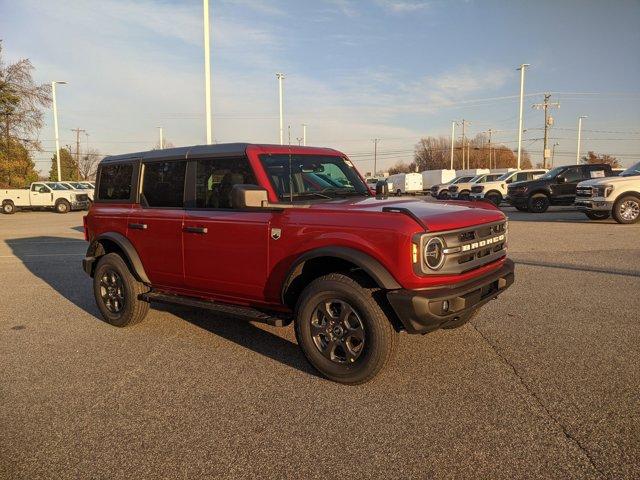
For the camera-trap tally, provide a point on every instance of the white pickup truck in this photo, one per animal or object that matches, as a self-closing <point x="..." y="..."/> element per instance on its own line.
<point x="43" y="195"/>
<point x="618" y="196"/>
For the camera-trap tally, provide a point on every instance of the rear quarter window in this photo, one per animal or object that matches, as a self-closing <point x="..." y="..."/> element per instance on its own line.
<point x="115" y="182"/>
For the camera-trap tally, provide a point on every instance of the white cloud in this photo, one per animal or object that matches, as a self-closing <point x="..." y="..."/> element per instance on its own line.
<point x="403" y="6"/>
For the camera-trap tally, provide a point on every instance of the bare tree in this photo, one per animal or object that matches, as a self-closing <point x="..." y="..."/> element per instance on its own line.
<point x="89" y="164"/>
<point x="592" y="157"/>
<point x="21" y="102"/>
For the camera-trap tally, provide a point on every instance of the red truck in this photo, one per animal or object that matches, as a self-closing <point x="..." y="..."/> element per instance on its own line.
<point x="280" y="234"/>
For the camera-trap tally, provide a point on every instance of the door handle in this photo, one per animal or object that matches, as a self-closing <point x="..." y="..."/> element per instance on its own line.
<point x="138" y="226"/>
<point x="196" y="229"/>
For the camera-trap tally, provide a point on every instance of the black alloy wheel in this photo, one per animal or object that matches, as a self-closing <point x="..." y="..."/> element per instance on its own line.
<point x="337" y="331"/>
<point x="112" y="291"/>
<point x="538" y="203"/>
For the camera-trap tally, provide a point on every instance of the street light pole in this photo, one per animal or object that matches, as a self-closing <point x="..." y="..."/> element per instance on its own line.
<point x="522" y="69"/>
<point x="304" y="134"/>
<point x="280" y="77"/>
<point x="579" y="136"/>
<point x="553" y="154"/>
<point x="161" y="138"/>
<point x="55" y="124"/>
<point x="207" y="72"/>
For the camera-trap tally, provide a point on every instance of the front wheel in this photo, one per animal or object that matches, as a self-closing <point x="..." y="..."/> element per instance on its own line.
<point x="597" y="215"/>
<point x="627" y="209"/>
<point x="538" y="203"/>
<point x="342" y="330"/>
<point x="443" y="195"/>
<point x="494" y="198"/>
<point x="63" y="206"/>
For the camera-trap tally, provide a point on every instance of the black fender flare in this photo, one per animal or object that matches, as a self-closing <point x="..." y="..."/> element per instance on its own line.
<point x="366" y="262"/>
<point x="132" y="257"/>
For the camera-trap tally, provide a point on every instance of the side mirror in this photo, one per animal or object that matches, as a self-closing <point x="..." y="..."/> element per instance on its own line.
<point x="560" y="179"/>
<point x="382" y="188"/>
<point x="248" y="196"/>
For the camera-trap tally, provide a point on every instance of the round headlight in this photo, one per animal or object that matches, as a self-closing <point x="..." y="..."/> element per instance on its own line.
<point x="434" y="253"/>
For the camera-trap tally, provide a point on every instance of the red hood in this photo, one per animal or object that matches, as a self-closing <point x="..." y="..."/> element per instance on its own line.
<point x="435" y="215"/>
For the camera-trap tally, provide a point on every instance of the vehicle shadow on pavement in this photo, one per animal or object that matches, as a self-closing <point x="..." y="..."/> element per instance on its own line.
<point x="243" y="333"/>
<point x="578" y="268"/>
<point x="57" y="262"/>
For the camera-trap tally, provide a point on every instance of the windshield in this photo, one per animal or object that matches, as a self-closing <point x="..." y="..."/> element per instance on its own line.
<point x="57" y="186"/>
<point x="632" y="171"/>
<point x="460" y="180"/>
<point x="303" y="177"/>
<point x="492" y="177"/>
<point x="552" y="173"/>
<point x="506" y="176"/>
<point x="78" y="186"/>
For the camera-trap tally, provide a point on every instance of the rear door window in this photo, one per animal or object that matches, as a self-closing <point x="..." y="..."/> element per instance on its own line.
<point x="115" y="182"/>
<point x="163" y="184"/>
<point x="215" y="178"/>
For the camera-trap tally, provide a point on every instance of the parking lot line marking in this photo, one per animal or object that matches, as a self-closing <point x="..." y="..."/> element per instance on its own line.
<point x="43" y="255"/>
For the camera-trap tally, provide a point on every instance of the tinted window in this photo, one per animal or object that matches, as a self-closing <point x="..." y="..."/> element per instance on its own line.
<point x="115" y="182"/>
<point x="573" y="174"/>
<point x="163" y="184"/>
<point x="522" y="176"/>
<point x="596" y="171"/>
<point x="215" y="178"/>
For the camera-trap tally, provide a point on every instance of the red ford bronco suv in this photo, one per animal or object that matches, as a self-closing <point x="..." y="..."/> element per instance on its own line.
<point x="279" y="234"/>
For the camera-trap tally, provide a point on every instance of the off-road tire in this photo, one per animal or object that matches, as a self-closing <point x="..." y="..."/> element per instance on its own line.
<point x="63" y="206"/>
<point x="521" y="208"/>
<point x="494" y="198"/>
<point x="597" y="215"/>
<point x="134" y="309"/>
<point x="464" y="195"/>
<point x="379" y="335"/>
<point x="461" y="321"/>
<point x="8" y="208"/>
<point x="538" y="203"/>
<point x="619" y="206"/>
<point x="444" y="195"/>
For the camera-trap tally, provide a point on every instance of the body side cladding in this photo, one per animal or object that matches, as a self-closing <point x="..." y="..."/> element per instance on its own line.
<point x="368" y="264"/>
<point x="96" y="249"/>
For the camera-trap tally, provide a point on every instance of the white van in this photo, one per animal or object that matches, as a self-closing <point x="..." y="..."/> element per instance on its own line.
<point x="403" y="183"/>
<point x="436" y="177"/>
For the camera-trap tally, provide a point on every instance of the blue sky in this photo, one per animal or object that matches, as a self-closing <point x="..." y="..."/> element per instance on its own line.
<point x="356" y="70"/>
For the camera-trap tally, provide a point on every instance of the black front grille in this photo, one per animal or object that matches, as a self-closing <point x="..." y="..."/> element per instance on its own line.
<point x="583" y="192"/>
<point x="453" y="189"/>
<point x="82" y="197"/>
<point x="477" y="189"/>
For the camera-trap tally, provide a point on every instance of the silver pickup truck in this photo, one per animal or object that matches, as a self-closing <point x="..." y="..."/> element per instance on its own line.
<point x="43" y="195"/>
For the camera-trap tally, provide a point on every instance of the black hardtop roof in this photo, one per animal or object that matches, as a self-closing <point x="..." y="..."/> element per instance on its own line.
<point x="199" y="151"/>
<point x="225" y="149"/>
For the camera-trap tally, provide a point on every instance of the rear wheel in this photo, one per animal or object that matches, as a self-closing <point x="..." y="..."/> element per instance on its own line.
<point x="116" y="292"/>
<point x="597" y="215"/>
<point x="627" y="209"/>
<point x="444" y="195"/>
<point x="342" y="330"/>
<point x="63" y="206"/>
<point x="538" y="203"/>
<point x="8" y="207"/>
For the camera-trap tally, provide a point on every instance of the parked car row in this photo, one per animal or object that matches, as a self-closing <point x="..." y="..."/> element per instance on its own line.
<point x="62" y="197"/>
<point x="595" y="189"/>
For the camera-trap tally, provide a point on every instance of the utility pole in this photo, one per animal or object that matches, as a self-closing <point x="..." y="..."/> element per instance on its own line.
<point x="579" y="135"/>
<point x="522" y="69"/>
<point x="375" y="156"/>
<point x="553" y="154"/>
<point x="55" y="123"/>
<point x="548" y="122"/>
<point x="453" y="141"/>
<point x="161" y="138"/>
<point x="78" y="130"/>
<point x="468" y="154"/>
<point x="304" y="134"/>
<point x="207" y="72"/>
<point x="280" y="77"/>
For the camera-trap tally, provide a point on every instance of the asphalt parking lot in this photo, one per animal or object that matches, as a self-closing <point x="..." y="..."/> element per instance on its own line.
<point x="544" y="383"/>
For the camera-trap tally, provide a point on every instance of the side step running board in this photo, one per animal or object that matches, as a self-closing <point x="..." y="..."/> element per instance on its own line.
<point x="247" y="313"/>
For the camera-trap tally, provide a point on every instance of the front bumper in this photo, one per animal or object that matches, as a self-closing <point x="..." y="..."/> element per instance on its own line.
<point x="80" y="205"/>
<point x="593" y="205"/>
<point x="421" y="311"/>
<point x="477" y="196"/>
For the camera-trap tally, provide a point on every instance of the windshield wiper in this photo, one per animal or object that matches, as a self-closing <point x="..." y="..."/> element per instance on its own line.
<point x="340" y="191"/>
